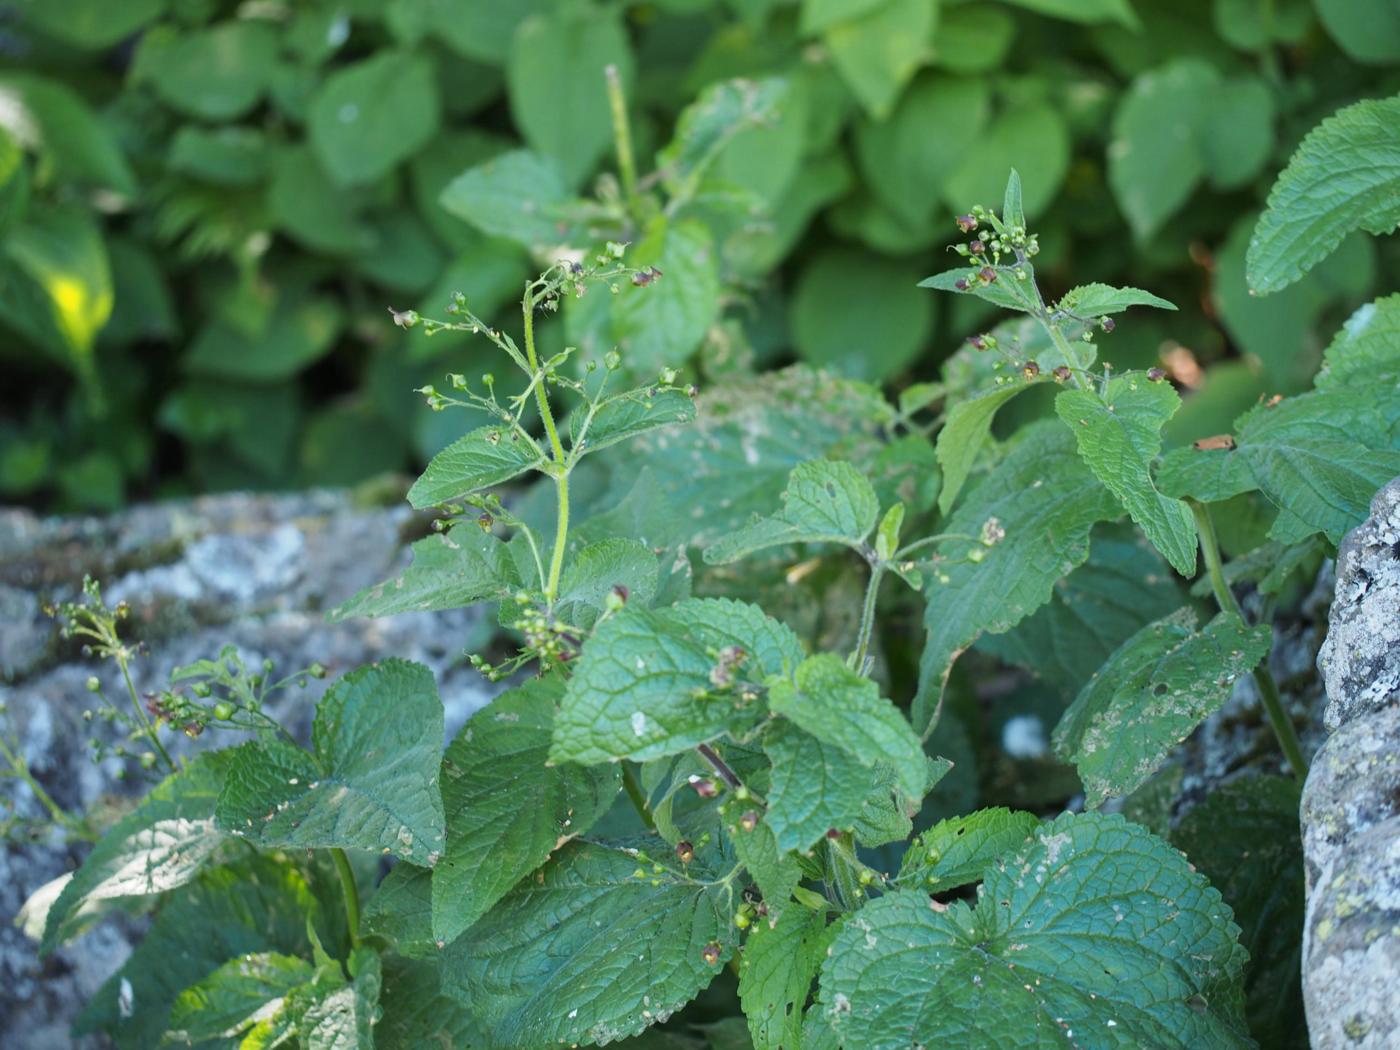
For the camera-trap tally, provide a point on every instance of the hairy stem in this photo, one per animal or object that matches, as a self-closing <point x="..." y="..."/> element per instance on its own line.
<point x="1263" y="678"/>
<point x="622" y="136"/>
<point x="639" y="801"/>
<point x="867" y="616"/>
<point x="350" y="892"/>
<point x="561" y="478"/>
<point x="19" y="768"/>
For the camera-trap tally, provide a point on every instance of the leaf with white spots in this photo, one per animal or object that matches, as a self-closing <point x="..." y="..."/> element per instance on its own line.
<point x="596" y="946"/>
<point x="1095" y="935"/>
<point x="370" y="781"/>
<point x="655" y="682"/>
<point x="1155" y="689"/>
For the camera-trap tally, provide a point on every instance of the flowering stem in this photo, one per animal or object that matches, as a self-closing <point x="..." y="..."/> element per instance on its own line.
<point x="622" y="136"/>
<point x="561" y="476"/>
<point x="151" y="728"/>
<point x="1263" y="678"/>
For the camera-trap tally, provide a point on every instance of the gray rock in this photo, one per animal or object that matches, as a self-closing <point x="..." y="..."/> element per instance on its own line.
<point x="1360" y="661"/>
<point x="1351" y="802"/>
<point x="256" y="573"/>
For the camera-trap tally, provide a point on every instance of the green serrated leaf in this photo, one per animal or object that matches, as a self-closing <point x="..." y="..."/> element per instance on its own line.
<point x="816" y="786"/>
<point x="1343" y="177"/>
<point x="839" y="707"/>
<point x="1156" y="688"/>
<point x="372" y="782"/>
<point x="1013" y="209"/>
<point x="161" y="844"/>
<point x="824" y="502"/>
<point x="661" y="324"/>
<point x="342" y="1016"/>
<point x="417" y="1013"/>
<point x="628" y="415"/>
<point x="1091" y="916"/>
<point x="449" y="571"/>
<point x="1366" y="352"/>
<point x="1046" y="501"/>
<point x="963" y="438"/>
<point x="596" y="570"/>
<point x="643" y="687"/>
<point x="216" y="73"/>
<point x="401" y="912"/>
<point x="257" y="905"/>
<point x="507" y="808"/>
<point x="237" y="996"/>
<point x="775" y="871"/>
<point x="1320" y="457"/>
<point x="1119" y="432"/>
<point x="776" y="972"/>
<point x="1095" y="300"/>
<point x="558" y="958"/>
<point x="957" y="851"/>
<point x="1124" y="586"/>
<point x="486" y="456"/>
<point x="722" y="111"/>
<point x="999" y="293"/>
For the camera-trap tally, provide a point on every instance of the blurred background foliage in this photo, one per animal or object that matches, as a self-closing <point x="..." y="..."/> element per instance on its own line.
<point x="206" y="207"/>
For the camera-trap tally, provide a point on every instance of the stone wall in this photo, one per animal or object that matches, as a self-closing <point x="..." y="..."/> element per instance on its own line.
<point x="253" y="572"/>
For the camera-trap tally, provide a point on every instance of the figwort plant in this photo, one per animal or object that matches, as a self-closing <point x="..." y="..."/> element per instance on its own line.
<point x="675" y="783"/>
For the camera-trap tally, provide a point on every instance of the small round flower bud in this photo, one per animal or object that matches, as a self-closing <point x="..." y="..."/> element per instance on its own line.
<point x="612" y="360"/>
<point x="405" y="318"/>
<point x="1061" y="374"/>
<point x="685" y="852"/>
<point x="93" y="685"/>
<point x="1108" y="324"/>
<point x="1030" y="369"/>
<point x="224" y="710"/>
<point x="1156" y="375"/>
<point x="710" y="953"/>
<point x="749" y="820"/>
<point x="976" y="247"/>
<point x="148" y="760"/>
<point x="704" y="787"/>
<point x="987" y="274"/>
<point x="966" y="223"/>
<point x="960" y="285"/>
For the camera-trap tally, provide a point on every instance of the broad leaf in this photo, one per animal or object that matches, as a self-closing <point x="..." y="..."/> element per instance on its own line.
<point x="449" y="571"/>
<point x="1091" y="916"/>
<point x="591" y="949"/>
<point x="1120" y="433"/>
<point x="487" y="456"/>
<point x="417" y="1013"/>
<point x="648" y="684"/>
<point x="341" y="1015"/>
<point x="842" y="709"/>
<point x="237" y="996"/>
<point x="1046" y="501"/>
<point x="627" y="415"/>
<point x="507" y="808"/>
<point x="776" y="971"/>
<point x="1319" y="457"/>
<point x="1244" y="838"/>
<point x="372" y="782"/>
<point x="1124" y="586"/>
<point x="558" y="94"/>
<point x="1090" y="11"/>
<point x="68" y="133"/>
<point x="519" y="195"/>
<point x="216" y="73"/>
<point x="879" y="49"/>
<point x="1032" y="136"/>
<point x="602" y="568"/>
<point x="1155" y="689"/>
<point x="159" y="845"/>
<point x="963" y="438"/>
<point x="661" y="324"/>
<point x="957" y="851"/>
<point x="816" y="787"/>
<point x="1367" y="30"/>
<point x="401" y="912"/>
<point x="1366" y="352"/>
<point x="1345" y="176"/>
<point x="389" y="99"/>
<point x="60" y="251"/>
<point x="722" y="111"/>
<point x="1000" y="292"/>
<point x="824" y="502"/>
<point x="256" y="905"/>
<point x="1089" y="301"/>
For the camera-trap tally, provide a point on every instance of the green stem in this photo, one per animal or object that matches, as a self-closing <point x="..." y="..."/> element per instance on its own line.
<point x="350" y="892"/>
<point x="20" y="768"/>
<point x="622" y="136"/>
<point x="634" y="792"/>
<point x="1263" y="678"/>
<point x="152" y="729"/>
<point x="867" y="616"/>
<point x="561" y="477"/>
